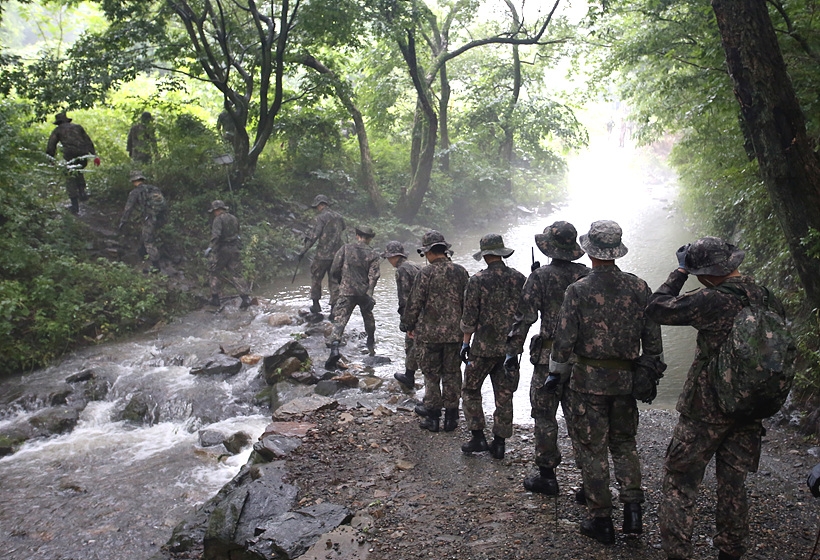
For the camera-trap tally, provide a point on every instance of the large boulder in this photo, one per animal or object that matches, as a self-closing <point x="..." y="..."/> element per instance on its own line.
<point x="304" y="406"/>
<point x="272" y="365"/>
<point x="293" y="533"/>
<point x="219" y="364"/>
<point x="55" y="420"/>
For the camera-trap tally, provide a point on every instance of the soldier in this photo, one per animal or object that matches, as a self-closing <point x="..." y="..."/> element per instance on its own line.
<point x="432" y="319"/>
<point x="153" y="208"/>
<point x="77" y="149"/>
<point x="327" y="231"/>
<point x="142" y="142"/>
<point x="406" y="272"/>
<point x="355" y="269"/>
<point x="703" y="430"/>
<point x="489" y="306"/>
<point x="544" y="293"/>
<point x="602" y="322"/>
<point x="224" y="254"/>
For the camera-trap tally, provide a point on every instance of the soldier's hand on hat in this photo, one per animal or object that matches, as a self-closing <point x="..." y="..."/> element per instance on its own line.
<point x="511" y="363"/>
<point x="96" y="161"/>
<point x="681" y="255"/>
<point x="551" y="384"/>
<point x="813" y="481"/>
<point x="535" y="266"/>
<point x="465" y="353"/>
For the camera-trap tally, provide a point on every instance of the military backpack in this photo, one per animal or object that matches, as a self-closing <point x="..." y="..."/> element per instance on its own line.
<point x="754" y="369"/>
<point x="154" y="200"/>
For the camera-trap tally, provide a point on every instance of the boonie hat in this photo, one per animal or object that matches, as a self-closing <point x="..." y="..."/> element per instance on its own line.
<point x="320" y="199"/>
<point x="365" y="231"/>
<point x="218" y="204"/>
<point x="603" y="241"/>
<point x="430" y="240"/>
<point x="136" y="175"/>
<point x="393" y="249"/>
<point x="492" y="244"/>
<point x="712" y="256"/>
<point x="61" y="118"/>
<point x="558" y="242"/>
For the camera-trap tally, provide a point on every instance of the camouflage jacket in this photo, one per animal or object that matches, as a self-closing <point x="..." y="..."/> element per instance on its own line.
<point x="328" y="232"/>
<point x="74" y="140"/>
<point x="544" y="293"/>
<point x="603" y="318"/>
<point x="141" y="143"/>
<point x="145" y="197"/>
<point x="436" y="303"/>
<point x="489" y="306"/>
<point x="356" y="268"/>
<point x="712" y="313"/>
<point x="225" y="232"/>
<point x="406" y="274"/>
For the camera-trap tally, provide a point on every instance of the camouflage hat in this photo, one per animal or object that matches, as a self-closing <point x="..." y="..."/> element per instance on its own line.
<point x="217" y="205"/>
<point x="146" y="117"/>
<point x="430" y="240"/>
<point x="393" y="249"/>
<point x="320" y="199"/>
<point x="136" y="175"/>
<point x="492" y="244"/>
<point x="61" y="118"/>
<point x="603" y="241"/>
<point x="365" y="231"/>
<point x="558" y="242"/>
<point x="712" y="256"/>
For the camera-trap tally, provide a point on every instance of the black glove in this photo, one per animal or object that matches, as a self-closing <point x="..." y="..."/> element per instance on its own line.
<point x="814" y="481"/>
<point x="511" y="363"/>
<point x="465" y="352"/>
<point x="551" y="384"/>
<point x="535" y="266"/>
<point x="681" y="255"/>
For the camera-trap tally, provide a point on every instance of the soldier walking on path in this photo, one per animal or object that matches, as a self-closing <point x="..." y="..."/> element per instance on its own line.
<point x="142" y="141"/>
<point x="77" y="149"/>
<point x="224" y="254"/>
<point x="703" y="429"/>
<point x="406" y="272"/>
<point x="432" y="318"/>
<point x="602" y="322"/>
<point x="153" y="209"/>
<point x="544" y="293"/>
<point x="355" y="269"/>
<point x="489" y="306"/>
<point x="327" y="234"/>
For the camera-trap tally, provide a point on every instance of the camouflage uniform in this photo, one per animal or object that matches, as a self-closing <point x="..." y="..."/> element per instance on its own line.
<point x="406" y="274"/>
<point x="225" y="255"/>
<point x="433" y="315"/>
<point x="602" y="322"/>
<point x="77" y="147"/>
<point x="703" y="430"/>
<point x="142" y="143"/>
<point x="489" y="305"/>
<point x="327" y="234"/>
<point x="355" y="269"/>
<point x="153" y="216"/>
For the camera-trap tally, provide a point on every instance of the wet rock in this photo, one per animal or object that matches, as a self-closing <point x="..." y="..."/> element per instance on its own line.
<point x="290" y="366"/>
<point x="328" y="387"/>
<point x="236" y="351"/>
<point x="237" y="442"/>
<point x="80" y="376"/>
<point x="219" y="364"/>
<point x="347" y="379"/>
<point x="303" y="406"/>
<point x="210" y="438"/>
<point x="279" y="320"/>
<point x="374" y="361"/>
<point x="319" y="329"/>
<point x="294" y="532"/>
<point x="305" y="377"/>
<point x="272" y="365"/>
<point x="250" y="359"/>
<point x="290" y="429"/>
<point x="369" y="384"/>
<point x="141" y="409"/>
<point x="285" y="391"/>
<point x="60" y="396"/>
<point x="272" y="447"/>
<point x="55" y="420"/>
<point x="343" y="542"/>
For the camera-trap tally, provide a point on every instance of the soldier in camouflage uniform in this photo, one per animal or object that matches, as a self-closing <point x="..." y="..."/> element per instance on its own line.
<point x="355" y="269"/>
<point x="151" y="204"/>
<point x="602" y="322"/>
<point x="432" y="318"/>
<point x="489" y="306"/>
<point x="224" y="254"/>
<point x="327" y="231"/>
<point x="703" y="430"/>
<point x="141" y="143"/>
<point x="544" y="293"/>
<point x="406" y="272"/>
<point x="77" y="149"/>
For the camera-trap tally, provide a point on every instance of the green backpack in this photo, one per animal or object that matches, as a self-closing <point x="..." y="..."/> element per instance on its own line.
<point x="154" y="200"/>
<point x="754" y="369"/>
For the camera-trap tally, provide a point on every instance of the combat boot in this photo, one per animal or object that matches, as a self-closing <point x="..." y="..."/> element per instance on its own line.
<point x="431" y="421"/>
<point x="422" y="410"/>
<point x="75" y="205"/>
<point x="333" y="359"/>
<point x="408" y="378"/>
<point x="581" y="496"/>
<point x="477" y="444"/>
<point x="371" y="343"/>
<point x="315" y="308"/>
<point x="600" y="529"/>
<point x="450" y="419"/>
<point x="215" y="300"/>
<point x="633" y="523"/>
<point x="497" y="448"/>
<point x="246" y="302"/>
<point x="543" y="483"/>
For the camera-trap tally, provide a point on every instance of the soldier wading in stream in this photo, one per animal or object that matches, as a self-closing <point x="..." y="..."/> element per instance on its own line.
<point x="224" y="254"/>
<point x="406" y="272"/>
<point x="327" y="234"/>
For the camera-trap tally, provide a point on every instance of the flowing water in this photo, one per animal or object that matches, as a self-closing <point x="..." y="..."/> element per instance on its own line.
<point x="112" y="490"/>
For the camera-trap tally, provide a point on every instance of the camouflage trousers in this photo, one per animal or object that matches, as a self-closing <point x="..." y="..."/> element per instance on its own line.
<point x="441" y="366"/>
<point x="602" y="423"/>
<point x="226" y="261"/>
<point x="544" y="407"/>
<point x="503" y="388"/>
<point x="736" y="448"/>
<point x="75" y="178"/>
<point x="344" y="309"/>
<point x="318" y="269"/>
<point x="411" y="362"/>
<point x="150" y="225"/>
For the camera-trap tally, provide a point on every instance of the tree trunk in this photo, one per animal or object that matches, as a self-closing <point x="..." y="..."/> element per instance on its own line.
<point x="788" y="166"/>
<point x="444" y="135"/>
